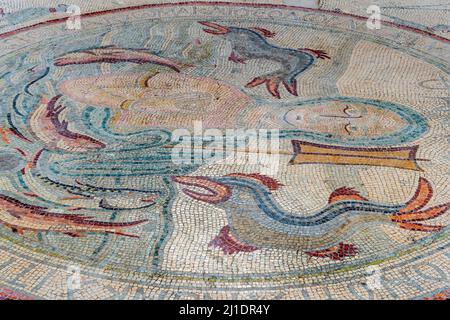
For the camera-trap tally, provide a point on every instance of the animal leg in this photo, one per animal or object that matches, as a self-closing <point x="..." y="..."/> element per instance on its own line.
<point x="337" y="252"/>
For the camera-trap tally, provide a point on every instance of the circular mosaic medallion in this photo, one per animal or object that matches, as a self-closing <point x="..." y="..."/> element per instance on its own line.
<point x="121" y="143"/>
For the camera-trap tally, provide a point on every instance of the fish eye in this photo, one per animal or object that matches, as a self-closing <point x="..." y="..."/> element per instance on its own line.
<point x="350" y="128"/>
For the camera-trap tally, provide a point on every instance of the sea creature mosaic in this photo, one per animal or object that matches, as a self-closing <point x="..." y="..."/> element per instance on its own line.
<point x="355" y="202"/>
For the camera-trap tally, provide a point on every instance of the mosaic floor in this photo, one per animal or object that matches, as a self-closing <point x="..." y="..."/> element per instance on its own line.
<point x="224" y="150"/>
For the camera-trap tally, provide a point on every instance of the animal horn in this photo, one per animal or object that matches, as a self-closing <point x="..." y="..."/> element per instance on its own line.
<point x="215" y="192"/>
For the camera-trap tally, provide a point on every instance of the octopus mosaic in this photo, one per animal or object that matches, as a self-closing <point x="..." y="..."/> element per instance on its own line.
<point x="358" y="207"/>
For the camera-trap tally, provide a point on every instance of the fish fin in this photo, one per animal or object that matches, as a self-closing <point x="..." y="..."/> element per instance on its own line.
<point x="235" y="58"/>
<point x="105" y="205"/>
<point x="255" y="82"/>
<point x="64" y="125"/>
<point x="272" y="84"/>
<point x="338" y="252"/>
<point x="269" y="182"/>
<point x="76" y="197"/>
<point x="264" y="32"/>
<point x="419" y="227"/>
<point x="151" y="198"/>
<point x="120" y="233"/>
<point x="427" y="214"/>
<point x="421" y="197"/>
<point x="345" y="194"/>
<point x="19" y="135"/>
<point x="4" y="135"/>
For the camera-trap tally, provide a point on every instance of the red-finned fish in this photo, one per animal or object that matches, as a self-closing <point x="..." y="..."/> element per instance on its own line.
<point x="47" y="127"/>
<point x="113" y="54"/>
<point x="20" y="216"/>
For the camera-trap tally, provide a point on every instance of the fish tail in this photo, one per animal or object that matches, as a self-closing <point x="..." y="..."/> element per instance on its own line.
<point x="424" y="215"/>
<point x="337" y="252"/>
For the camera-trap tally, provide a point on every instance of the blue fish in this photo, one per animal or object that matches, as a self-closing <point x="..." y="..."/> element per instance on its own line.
<point x="29" y="14"/>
